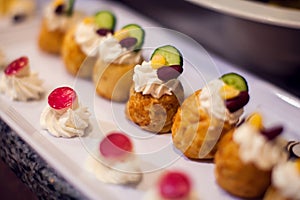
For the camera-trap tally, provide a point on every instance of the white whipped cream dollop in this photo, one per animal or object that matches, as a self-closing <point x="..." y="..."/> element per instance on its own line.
<point x="118" y="172"/>
<point x="257" y="149"/>
<point x="286" y="179"/>
<point x="22" y="88"/>
<point x="146" y="81"/>
<point x="110" y="49"/>
<point x="87" y="38"/>
<point x="213" y="103"/>
<point x="60" y="22"/>
<point x="68" y="124"/>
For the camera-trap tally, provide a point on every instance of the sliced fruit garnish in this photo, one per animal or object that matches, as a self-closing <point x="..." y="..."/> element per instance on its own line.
<point x="158" y="61"/>
<point x="105" y="19"/>
<point x="235" y="80"/>
<point x="128" y="43"/>
<point x="103" y="31"/>
<point x="228" y="92"/>
<point x="59" y="10"/>
<point x="121" y="34"/>
<point x="115" y="146"/>
<point x="238" y="102"/>
<point x="167" y="73"/>
<point x="256" y="121"/>
<point x="62" y="98"/>
<point x="170" y="53"/>
<point x="137" y="32"/>
<point x="57" y="3"/>
<point x="174" y="185"/>
<point x="19" y="67"/>
<point x="70" y="7"/>
<point x="272" y="133"/>
<point x="88" y="20"/>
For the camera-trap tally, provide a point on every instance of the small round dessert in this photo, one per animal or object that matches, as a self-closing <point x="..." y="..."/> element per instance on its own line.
<point x="172" y="185"/>
<point x="246" y="153"/>
<point x="64" y="116"/>
<point x="59" y="17"/>
<point x="285" y="182"/>
<point x="206" y="115"/>
<point x="79" y="49"/>
<point x="19" y="83"/>
<point x="118" y="54"/>
<point x="156" y="93"/>
<point x="115" y="161"/>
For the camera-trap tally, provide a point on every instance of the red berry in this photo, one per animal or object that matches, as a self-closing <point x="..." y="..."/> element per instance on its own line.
<point x="128" y="42"/>
<point x="62" y="97"/>
<point x="238" y="102"/>
<point x="115" y="145"/>
<point x="174" y="185"/>
<point x="104" y="31"/>
<point x="16" y="66"/>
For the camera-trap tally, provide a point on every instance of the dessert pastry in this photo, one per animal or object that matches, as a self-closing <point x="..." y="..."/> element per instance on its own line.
<point x="59" y="16"/>
<point x="115" y="161"/>
<point x="172" y="185"/>
<point x="20" y="10"/>
<point x="118" y="54"/>
<point x="64" y="116"/>
<point x="156" y="92"/>
<point x="246" y="157"/>
<point x="79" y="49"/>
<point x="206" y="115"/>
<point x="19" y="83"/>
<point x="285" y="182"/>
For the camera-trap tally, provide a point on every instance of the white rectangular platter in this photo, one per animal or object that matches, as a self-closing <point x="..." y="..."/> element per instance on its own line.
<point x="68" y="156"/>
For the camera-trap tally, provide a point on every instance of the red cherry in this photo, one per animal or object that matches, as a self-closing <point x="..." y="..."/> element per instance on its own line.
<point x="62" y="97"/>
<point x="238" y="102"/>
<point x="167" y="73"/>
<point x="115" y="145"/>
<point x="174" y="185"/>
<point x="273" y="132"/>
<point x="16" y="66"/>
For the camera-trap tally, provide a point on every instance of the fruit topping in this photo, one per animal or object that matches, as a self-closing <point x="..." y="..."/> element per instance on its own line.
<point x="238" y="102"/>
<point x="228" y="92"/>
<point x="19" y="67"/>
<point x="70" y="7"/>
<point x="115" y="146"/>
<point x="256" y="121"/>
<point x="167" y="73"/>
<point x="59" y="10"/>
<point x="103" y="31"/>
<point x="128" y="43"/>
<point x="134" y="31"/>
<point x="105" y="20"/>
<point x="158" y="61"/>
<point x="168" y="55"/>
<point x="293" y="148"/>
<point x="272" y="133"/>
<point x="235" y="80"/>
<point x="62" y="98"/>
<point x="174" y="185"/>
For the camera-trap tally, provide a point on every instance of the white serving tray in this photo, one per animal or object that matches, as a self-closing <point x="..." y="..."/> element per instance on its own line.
<point x="156" y="152"/>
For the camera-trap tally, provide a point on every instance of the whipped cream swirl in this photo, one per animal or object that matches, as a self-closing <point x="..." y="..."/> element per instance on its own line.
<point x="110" y="49"/>
<point x="146" y="81"/>
<point x="117" y="172"/>
<point x="60" y="22"/>
<point x="257" y="149"/>
<point x="87" y="38"/>
<point x="286" y="179"/>
<point x="68" y="124"/>
<point x="213" y="103"/>
<point x="22" y="88"/>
